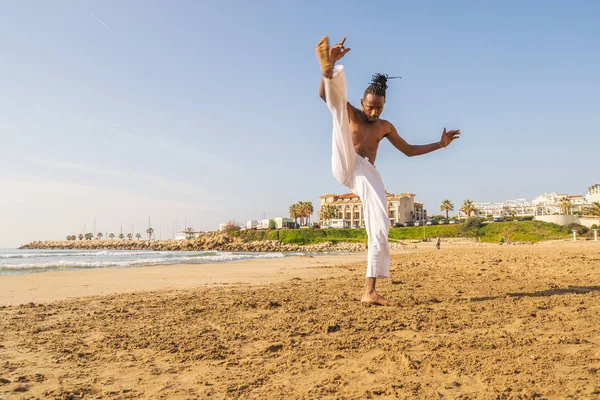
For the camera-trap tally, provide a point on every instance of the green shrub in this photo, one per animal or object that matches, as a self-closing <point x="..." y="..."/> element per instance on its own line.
<point x="471" y="227"/>
<point x="428" y="231"/>
<point x="581" y="229"/>
<point x="472" y="223"/>
<point x="524" y="231"/>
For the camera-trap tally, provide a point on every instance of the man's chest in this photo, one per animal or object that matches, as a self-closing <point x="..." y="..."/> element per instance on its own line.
<point x="367" y="133"/>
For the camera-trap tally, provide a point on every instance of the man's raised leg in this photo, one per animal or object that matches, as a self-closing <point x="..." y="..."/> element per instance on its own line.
<point x="343" y="156"/>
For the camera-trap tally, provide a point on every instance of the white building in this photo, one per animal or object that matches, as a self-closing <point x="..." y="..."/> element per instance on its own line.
<point x="336" y="223"/>
<point x="578" y="203"/>
<point x="548" y="203"/>
<point x="593" y="194"/>
<point x="511" y="208"/>
<point x="544" y="204"/>
<point x="276" y="223"/>
<point x="265" y="224"/>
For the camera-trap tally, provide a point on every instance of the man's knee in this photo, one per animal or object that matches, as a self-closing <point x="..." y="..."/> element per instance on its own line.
<point x="378" y="243"/>
<point x="381" y="234"/>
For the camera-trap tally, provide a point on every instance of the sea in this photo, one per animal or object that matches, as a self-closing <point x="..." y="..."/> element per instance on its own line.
<point x="14" y="262"/>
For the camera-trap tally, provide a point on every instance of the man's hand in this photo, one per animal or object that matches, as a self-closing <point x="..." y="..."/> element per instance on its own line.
<point x="338" y="51"/>
<point x="448" y="137"/>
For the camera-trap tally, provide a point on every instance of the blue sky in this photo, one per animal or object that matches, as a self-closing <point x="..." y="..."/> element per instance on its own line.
<point x="208" y="111"/>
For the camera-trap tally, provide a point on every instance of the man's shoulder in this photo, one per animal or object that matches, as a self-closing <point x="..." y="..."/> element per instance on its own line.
<point x="353" y="111"/>
<point x="387" y="125"/>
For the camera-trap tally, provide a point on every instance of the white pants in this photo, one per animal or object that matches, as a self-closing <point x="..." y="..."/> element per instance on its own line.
<point x="360" y="176"/>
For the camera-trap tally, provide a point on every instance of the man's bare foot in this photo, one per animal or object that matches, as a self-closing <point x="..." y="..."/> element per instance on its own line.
<point x="324" y="58"/>
<point x="374" y="298"/>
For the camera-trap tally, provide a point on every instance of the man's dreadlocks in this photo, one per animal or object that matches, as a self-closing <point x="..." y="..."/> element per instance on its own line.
<point x="378" y="84"/>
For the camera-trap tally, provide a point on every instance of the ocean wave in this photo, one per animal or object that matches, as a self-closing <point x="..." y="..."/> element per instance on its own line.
<point x="78" y="253"/>
<point x="181" y="258"/>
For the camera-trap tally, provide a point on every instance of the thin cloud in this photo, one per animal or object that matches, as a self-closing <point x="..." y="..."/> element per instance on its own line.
<point x="173" y="186"/>
<point x="130" y="136"/>
<point x="199" y="156"/>
<point x="185" y="151"/>
<point x="99" y="20"/>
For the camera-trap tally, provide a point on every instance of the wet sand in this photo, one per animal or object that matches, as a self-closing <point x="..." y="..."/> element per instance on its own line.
<point x="51" y="286"/>
<point x="491" y="322"/>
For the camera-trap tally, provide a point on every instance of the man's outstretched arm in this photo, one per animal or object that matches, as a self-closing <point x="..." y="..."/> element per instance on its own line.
<point x="412" y="150"/>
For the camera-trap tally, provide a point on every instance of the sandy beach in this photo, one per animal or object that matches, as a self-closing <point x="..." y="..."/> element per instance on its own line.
<point x="489" y="322"/>
<point x="51" y="286"/>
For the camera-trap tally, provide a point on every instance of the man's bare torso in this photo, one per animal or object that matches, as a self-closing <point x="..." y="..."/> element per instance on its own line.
<point x="366" y="135"/>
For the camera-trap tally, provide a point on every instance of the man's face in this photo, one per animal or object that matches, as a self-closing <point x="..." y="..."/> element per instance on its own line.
<point x="372" y="106"/>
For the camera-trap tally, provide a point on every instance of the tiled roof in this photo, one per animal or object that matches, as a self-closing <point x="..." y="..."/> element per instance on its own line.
<point x="350" y="195"/>
<point x="342" y="202"/>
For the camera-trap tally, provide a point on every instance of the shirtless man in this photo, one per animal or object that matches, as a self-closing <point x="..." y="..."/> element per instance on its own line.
<point x="356" y="137"/>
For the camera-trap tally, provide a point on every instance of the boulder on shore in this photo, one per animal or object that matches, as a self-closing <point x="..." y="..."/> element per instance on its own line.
<point x="218" y="242"/>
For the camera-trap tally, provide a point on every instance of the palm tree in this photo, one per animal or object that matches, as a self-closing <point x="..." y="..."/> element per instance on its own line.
<point x="80" y="236"/>
<point x="565" y="204"/>
<point x="594" y="209"/>
<point x="150" y="231"/>
<point x="468" y="207"/>
<point x="446" y="206"/>
<point x="111" y="236"/>
<point x="138" y="236"/>
<point x="89" y="236"/>
<point x="301" y="212"/>
<point x="189" y="233"/>
<point x="328" y="211"/>
<point x="294" y="211"/>
<point x="99" y="236"/>
<point x="309" y="210"/>
<point x="130" y="236"/>
<point x="121" y="236"/>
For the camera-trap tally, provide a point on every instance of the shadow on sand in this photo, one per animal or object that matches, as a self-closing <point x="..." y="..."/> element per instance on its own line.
<point x="542" y="293"/>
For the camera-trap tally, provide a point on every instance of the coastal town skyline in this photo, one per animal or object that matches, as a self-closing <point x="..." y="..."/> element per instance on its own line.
<point x="121" y="110"/>
<point x="548" y="201"/>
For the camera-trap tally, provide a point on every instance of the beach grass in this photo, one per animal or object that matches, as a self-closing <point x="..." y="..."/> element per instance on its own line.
<point x="522" y="231"/>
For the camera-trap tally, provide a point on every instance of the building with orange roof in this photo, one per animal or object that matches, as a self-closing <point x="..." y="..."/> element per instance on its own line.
<point x="402" y="208"/>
